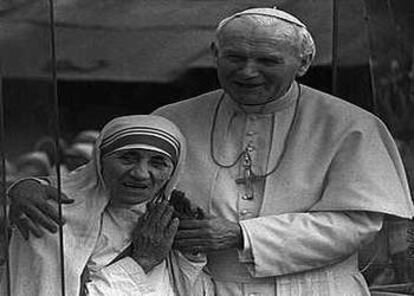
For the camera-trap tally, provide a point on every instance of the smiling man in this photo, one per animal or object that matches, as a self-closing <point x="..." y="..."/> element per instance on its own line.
<point x="257" y="64"/>
<point x="293" y="181"/>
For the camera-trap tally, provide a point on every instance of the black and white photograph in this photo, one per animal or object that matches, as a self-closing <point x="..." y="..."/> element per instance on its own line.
<point x="206" y="147"/>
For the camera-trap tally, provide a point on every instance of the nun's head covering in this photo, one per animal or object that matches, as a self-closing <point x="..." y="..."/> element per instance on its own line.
<point x="148" y="132"/>
<point x="146" y="135"/>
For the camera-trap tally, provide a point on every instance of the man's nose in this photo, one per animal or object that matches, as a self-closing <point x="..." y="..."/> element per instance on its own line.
<point x="140" y="171"/>
<point x="249" y="68"/>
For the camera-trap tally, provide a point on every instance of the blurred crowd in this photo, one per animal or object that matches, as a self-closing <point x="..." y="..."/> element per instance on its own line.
<point x="42" y="159"/>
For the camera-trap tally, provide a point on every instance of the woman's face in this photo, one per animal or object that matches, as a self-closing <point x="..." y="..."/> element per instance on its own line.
<point x="134" y="176"/>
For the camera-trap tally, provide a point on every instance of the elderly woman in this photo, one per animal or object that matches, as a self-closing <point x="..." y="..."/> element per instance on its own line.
<point x="117" y="239"/>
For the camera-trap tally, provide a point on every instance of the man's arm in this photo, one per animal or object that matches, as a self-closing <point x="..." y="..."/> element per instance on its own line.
<point x="296" y="242"/>
<point x="286" y="243"/>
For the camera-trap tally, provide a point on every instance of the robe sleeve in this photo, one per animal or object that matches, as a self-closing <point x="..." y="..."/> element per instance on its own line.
<point x="296" y="242"/>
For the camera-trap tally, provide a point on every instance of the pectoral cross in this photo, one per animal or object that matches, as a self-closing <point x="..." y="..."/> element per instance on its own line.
<point x="248" y="175"/>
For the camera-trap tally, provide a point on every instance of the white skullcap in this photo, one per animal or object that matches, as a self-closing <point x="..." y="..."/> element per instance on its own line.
<point x="267" y="11"/>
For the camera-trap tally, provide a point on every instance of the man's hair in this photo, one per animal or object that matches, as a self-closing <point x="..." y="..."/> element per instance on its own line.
<point x="302" y="37"/>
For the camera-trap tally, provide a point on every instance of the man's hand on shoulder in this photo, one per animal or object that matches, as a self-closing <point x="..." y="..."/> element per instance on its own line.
<point x="29" y="209"/>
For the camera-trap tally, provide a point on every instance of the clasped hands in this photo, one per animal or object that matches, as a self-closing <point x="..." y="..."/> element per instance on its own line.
<point x="31" y="212"/>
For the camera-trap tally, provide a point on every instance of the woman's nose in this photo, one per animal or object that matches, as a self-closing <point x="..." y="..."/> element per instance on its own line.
<point x="140" y="171"/>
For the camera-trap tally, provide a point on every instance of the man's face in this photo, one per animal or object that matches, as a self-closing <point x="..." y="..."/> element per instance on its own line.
<point x="257" y="64"/>
<point x="134" y="176"/>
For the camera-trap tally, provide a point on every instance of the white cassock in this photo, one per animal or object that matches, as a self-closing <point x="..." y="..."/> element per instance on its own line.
<point x="336" y="172"/>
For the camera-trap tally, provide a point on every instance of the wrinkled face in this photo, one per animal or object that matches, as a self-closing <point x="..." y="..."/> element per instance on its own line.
<point x="134" y="176"/>
<point x="257" y="64"/>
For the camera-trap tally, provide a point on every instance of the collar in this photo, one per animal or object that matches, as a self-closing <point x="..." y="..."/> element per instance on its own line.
<point x="273" y="106"/>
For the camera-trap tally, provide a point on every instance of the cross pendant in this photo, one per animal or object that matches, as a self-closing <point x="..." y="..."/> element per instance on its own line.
<point x="248" y="176"/>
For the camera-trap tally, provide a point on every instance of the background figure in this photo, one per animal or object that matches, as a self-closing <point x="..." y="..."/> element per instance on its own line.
<point x="77" y="155"/>
<point x="35" y="163"/>
<point x="86" y="136"/>
<point x="80" y="150"/>
<point x="387" y="261"/>
<point x="47" y="145"/>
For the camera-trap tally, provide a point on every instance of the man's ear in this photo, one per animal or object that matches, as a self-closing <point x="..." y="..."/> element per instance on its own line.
<point x="214" y="51"/>
<point x="305" y="63"/>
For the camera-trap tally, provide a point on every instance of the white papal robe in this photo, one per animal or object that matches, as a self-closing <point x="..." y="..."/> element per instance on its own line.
<point x="336" y="171"/>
